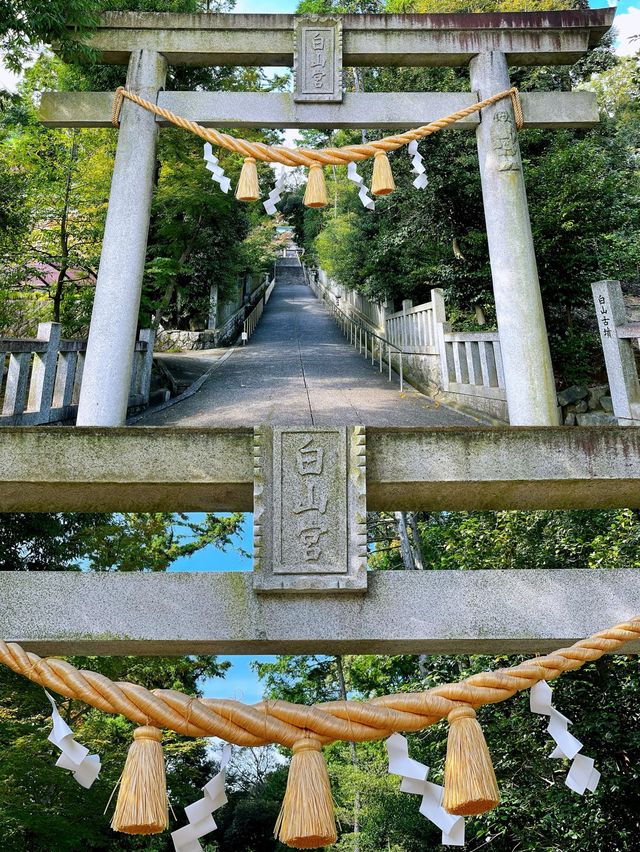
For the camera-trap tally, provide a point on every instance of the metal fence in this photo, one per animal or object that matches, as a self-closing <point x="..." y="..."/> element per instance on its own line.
<point x="369" y="344"/>
<point x="252" y="320"/>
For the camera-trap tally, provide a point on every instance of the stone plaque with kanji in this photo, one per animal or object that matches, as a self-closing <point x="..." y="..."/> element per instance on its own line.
<point x="310" y="509"/>
<point x="318" y="59"/>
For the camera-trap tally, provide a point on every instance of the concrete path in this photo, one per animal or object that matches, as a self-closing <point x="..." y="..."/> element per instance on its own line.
<point x="298" y="369"/>
<point x="187" y="367"/>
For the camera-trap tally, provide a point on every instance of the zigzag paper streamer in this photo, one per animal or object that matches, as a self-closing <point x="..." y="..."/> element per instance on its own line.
<point x="416" y="165"/>
<point x="275" y="195"/>
<point x="75" y="757"/>
<point x="582" y="773"/>
<point x="414" y="780"/>
<point x="352" y="174"/>
<point x="217" y="172"/>
<point x="200" y="813"/>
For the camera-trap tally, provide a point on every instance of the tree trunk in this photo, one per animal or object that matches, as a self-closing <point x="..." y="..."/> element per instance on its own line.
<point x="354" y="760"/>
<point x="416" y="543"/>
<point x="170" y="288"/>
<point x="64" y="233"/>
<point x="405" y="545"/>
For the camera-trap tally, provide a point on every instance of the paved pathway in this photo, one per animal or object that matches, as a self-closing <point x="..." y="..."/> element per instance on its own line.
<point x="298" y="370"/>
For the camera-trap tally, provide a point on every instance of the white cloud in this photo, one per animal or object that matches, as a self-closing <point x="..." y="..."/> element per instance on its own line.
<point x="8" y="80"/>
<point x="627" y="25"/>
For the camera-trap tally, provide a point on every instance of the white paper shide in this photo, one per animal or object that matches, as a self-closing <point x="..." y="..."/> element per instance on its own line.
<point x="275" y="195"/>
<point x="200" y="813"/>
<point x="75" y="757"/>
<point x="414" y="780"/>
<point x="217" y="172"/>
<point x="363" y="194"/>
<point x="582" y="773"/>
<point x="416" y="165"/>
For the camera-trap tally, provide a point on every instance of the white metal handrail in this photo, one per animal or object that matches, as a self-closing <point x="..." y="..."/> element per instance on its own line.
<point x="251" y="322"/>
<point x="358" y="335"/>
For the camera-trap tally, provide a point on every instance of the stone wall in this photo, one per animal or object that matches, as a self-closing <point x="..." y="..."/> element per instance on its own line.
<point x="231" y="322"/>
<point x="184" y="341"/>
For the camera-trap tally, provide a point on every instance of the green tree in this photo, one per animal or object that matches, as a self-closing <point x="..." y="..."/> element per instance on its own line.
<point x="41" y="806"/>
<point x="26" y="24"/>
<point x="58" y="181"/>
<point x="495" y="540"/>
<point x="123" y="542"/>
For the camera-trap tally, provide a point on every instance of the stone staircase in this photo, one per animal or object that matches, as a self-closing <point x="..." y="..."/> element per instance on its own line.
<point x="289" y="271"/>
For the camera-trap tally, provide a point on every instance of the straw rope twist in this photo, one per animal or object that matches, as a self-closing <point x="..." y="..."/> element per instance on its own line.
<point x="307" y="156"/>
<point x="285" y="723"/>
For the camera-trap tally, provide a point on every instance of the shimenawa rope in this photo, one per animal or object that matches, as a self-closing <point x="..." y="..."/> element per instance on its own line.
<point x="307" y="817"/>
<point x="307" y="156"/>
<point x="285" y="723"/>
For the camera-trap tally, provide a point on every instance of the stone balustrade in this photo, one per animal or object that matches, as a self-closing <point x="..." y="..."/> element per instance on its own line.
<point x="472" y="359"/>
<point x="464" y="366"/>
<point x="40" y="378"/>
<point x="413" y="329"/>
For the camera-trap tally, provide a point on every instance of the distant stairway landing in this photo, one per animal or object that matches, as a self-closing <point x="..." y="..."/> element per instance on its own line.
<point x="289" y="271"/>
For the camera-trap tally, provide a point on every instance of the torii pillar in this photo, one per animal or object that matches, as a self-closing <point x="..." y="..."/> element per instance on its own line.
<point x="526" y="358"/>
<point x="107" y="370"/>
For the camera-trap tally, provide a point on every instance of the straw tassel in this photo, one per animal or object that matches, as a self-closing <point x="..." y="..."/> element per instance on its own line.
<point x="470" y="785"/>
<point x="142" y="806"/>
<point x="307" y="818"/>
<point x="248" y="188"/>
<point x="382" y="182"/>
<point x="316" y="192"/>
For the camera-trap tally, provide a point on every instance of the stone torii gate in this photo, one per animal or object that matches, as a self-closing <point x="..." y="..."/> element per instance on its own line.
<point x="309" y="488"/>
<point x="488" y="43"/>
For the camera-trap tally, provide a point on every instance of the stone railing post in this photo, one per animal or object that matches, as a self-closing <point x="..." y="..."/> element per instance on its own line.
<point x="43" y="373"/>
<point x="65" y="379"/>
<point x="407" y="304"/>
<point x="107" y="371"/>
<point x="530" y="386"/>
<point x="148" y="336"/>
<point x="618" y="352"/>
<point x="15" y="388"/>
<point x="440" y="328"/>
<point x="385" y="311"/>
<point x="212" y="321"/>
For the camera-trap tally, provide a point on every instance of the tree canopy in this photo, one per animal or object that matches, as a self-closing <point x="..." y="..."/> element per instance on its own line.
<point x="57" y="183"/>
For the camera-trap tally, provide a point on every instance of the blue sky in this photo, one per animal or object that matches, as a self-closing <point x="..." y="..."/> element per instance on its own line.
<point x="266" y="6"/>
<point x="240" y="683"/>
